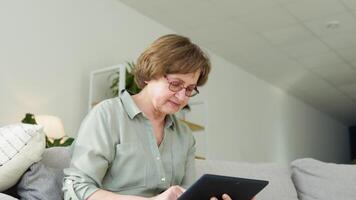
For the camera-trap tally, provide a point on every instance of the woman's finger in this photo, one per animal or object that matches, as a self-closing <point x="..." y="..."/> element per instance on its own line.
<point x="177" y="191"/>
<point x="226" y="197"/>
<point x="181" y="189"/>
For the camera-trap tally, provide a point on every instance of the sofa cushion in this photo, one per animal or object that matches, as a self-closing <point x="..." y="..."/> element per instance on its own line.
<point x="56" y="157"/>
<point x="44" y="179"/>
<point x="41" y="182"/>
<point x="20" y="146"/>
<point x="280" y="185"/>
<point x="314" y="179"/>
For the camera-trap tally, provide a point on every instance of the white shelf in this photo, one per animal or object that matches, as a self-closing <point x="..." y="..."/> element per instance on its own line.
<point x="98" y="86"/>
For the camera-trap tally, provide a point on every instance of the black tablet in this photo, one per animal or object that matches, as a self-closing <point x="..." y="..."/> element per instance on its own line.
<point x="210" y="185"/>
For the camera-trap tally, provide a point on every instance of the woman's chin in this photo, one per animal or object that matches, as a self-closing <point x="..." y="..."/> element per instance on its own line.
<point x="171" y="109"/>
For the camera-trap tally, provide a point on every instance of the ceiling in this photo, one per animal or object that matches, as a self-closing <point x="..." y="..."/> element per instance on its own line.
<point x="305" y="47"/>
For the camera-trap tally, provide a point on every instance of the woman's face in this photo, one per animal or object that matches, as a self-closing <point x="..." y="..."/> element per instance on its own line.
<point x="166" y="101"/>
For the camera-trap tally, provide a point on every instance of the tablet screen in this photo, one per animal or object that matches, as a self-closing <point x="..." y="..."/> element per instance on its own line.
<point x="210" y="185"/>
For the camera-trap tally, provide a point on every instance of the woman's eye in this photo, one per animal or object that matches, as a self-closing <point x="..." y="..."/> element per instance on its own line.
<point x="190" y="89"/>
<point x="176" y="84"/>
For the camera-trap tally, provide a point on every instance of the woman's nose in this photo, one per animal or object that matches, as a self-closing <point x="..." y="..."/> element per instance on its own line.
<point x="181" y="95"/>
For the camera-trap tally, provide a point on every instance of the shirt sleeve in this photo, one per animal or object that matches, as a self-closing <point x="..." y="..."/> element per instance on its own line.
<point x="189" y="176"/>
<point x="92" y="152"/>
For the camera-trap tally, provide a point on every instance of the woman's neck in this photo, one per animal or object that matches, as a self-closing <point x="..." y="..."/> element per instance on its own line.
<point x="144" y="103"/>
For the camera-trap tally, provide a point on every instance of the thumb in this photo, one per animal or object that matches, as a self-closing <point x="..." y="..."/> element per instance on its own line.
<point x="182" y="189"/>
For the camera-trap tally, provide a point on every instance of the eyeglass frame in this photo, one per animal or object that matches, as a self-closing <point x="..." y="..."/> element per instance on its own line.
<point x="181" y="88"/>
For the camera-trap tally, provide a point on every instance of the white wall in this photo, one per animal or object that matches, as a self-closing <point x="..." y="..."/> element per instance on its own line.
<point x="48" y="48"/>
<point x="253" y="121"/>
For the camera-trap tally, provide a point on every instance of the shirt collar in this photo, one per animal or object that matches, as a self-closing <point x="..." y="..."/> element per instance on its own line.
<point x="132" y="109"/>
<point x="169" y="121"/>
<point x="129" y="105"/>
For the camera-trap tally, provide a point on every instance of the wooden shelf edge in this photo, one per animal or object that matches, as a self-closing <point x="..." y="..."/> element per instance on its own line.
<point x="194" y="127"/>
<point x="200" y="158"/>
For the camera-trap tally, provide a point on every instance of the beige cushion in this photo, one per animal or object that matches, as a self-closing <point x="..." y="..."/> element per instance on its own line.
<point x="20" y="146"/>
<point x="314" y="180"/>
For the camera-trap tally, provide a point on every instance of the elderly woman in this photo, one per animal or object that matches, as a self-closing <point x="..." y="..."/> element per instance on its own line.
<point x="133" y="147"/>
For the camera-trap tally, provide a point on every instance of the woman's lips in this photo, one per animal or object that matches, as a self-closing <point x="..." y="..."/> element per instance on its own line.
<point x="174" y="103"/>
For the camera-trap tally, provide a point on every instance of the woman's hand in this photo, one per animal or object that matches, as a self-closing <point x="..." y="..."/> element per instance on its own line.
<point x="171" y="193"/>
<point x="226" y="197"/>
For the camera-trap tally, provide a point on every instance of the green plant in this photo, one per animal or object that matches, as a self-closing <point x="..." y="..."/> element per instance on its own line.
<point x="130" y="84"/>
<point x="29" y="119"/>
<point x="60" y="142"/>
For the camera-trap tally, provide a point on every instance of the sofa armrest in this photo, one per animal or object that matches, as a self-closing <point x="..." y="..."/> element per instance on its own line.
<point x="56" y="157"/>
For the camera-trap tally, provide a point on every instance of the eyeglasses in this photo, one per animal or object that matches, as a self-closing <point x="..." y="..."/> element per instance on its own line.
<point x="176" y="86"/>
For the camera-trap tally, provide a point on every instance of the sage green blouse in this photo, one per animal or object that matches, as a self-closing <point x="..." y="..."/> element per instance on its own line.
<point x="116" y="150"/>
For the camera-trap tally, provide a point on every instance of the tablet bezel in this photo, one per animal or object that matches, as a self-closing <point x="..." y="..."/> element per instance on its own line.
<point x="210" y="185"/>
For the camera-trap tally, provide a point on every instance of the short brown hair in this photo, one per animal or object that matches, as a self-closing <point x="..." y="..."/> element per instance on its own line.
<point x="171" y="54"/>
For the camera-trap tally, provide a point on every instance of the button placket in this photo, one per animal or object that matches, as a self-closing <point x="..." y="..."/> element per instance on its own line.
<point x="161" y="172"/>
<point x="156" y="154"/>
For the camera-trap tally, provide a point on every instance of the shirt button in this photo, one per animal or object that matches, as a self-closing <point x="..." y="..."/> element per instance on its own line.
<point x="163" y="179"/>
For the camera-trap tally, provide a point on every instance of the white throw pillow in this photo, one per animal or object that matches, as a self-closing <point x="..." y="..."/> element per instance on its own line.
<point x="314" y="179"/>
<point x="6" y="197"/>
<point x="20" y="146"/>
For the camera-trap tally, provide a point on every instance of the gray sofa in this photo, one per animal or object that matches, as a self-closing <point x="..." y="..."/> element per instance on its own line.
<point x="307" y="179"/>
<point x="47" y="173"/>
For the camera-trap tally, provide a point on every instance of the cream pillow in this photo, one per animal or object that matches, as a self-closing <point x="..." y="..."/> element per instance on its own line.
<point x="315" y="179"/>
<point x="20" y="146"/>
